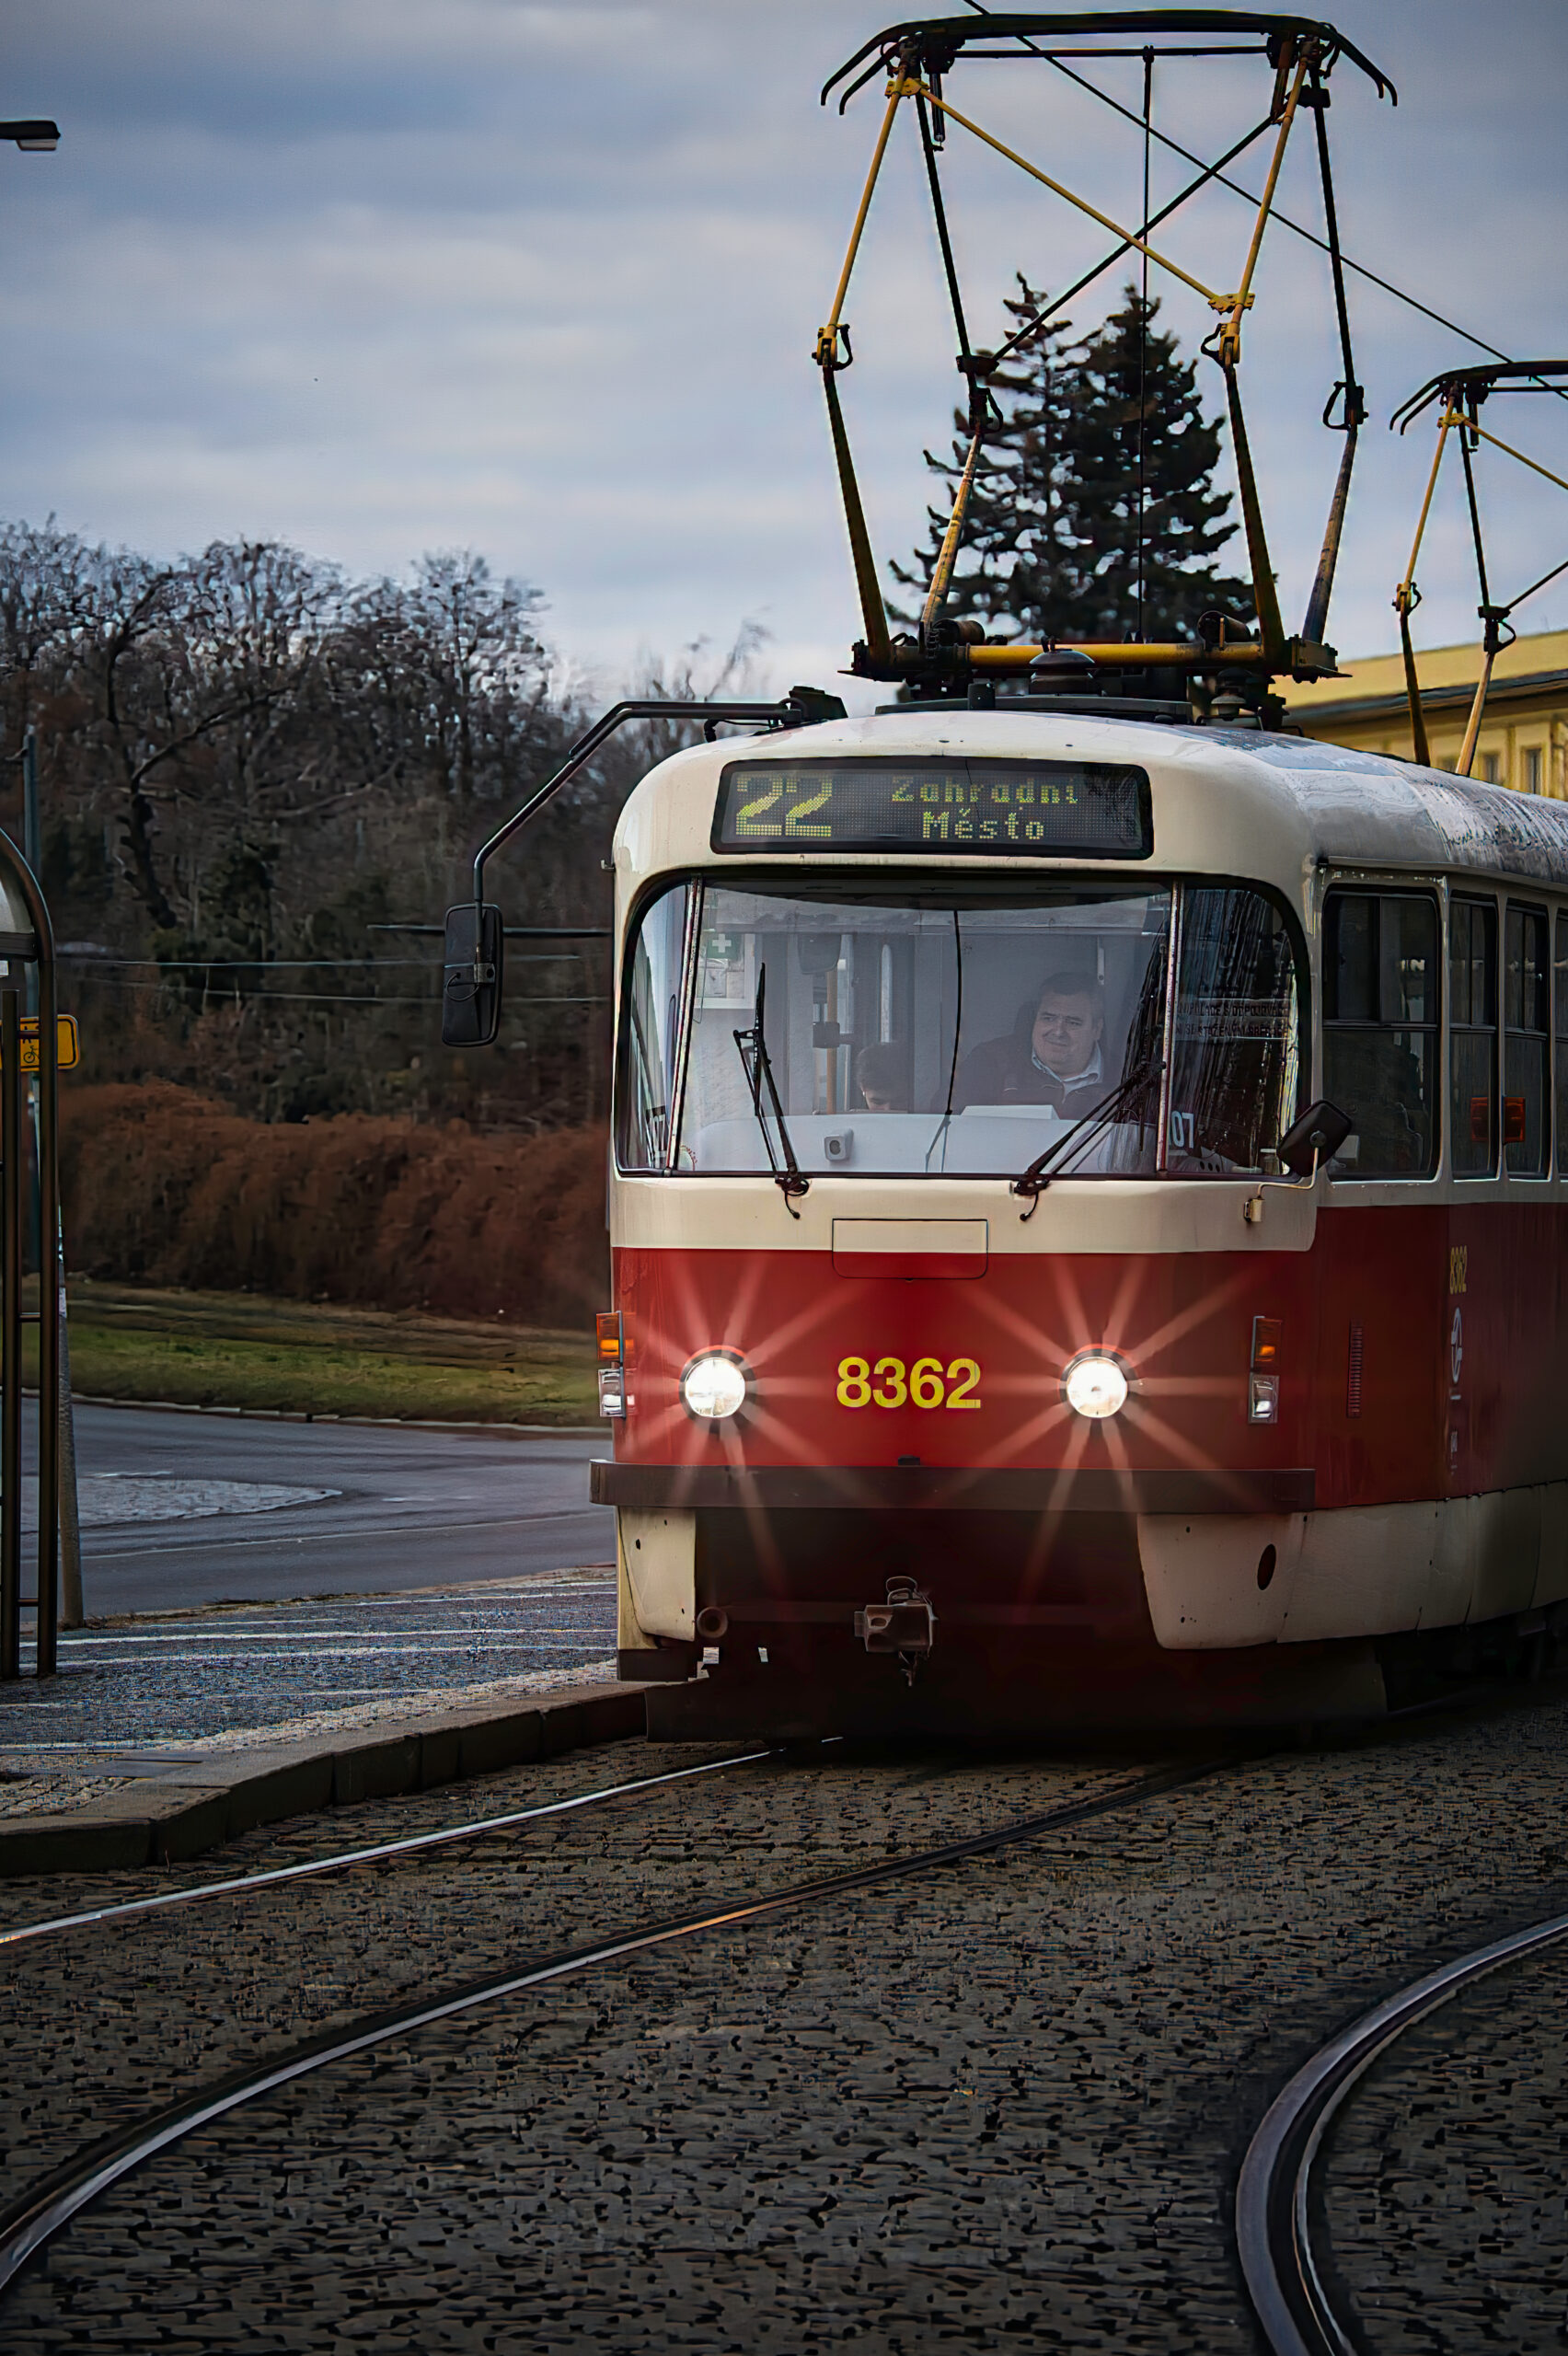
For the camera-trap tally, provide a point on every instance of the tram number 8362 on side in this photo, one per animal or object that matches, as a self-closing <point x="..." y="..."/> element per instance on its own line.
<point x="886" y="1382"/>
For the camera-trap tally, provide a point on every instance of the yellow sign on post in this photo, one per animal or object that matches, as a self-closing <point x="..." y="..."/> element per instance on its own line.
<point x="67" y="1042"/>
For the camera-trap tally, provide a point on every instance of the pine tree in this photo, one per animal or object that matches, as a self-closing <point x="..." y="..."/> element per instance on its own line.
<point x="1050" y="542"/>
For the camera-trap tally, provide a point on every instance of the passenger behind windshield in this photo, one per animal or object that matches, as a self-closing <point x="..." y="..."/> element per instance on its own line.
<point x="1050" y="1057"/>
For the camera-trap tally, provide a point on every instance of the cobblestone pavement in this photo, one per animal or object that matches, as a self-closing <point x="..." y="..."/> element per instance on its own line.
<point x="1444" y="2188"/>
<point x="999" y="2104"/>
<point x="221" y="1678"/>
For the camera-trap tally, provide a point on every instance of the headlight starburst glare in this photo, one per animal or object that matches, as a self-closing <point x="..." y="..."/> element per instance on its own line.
<point x="1095" y="1385"/>
<point x="714" y="1386"/>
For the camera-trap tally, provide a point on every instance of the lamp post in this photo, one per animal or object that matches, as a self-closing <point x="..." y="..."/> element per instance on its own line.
<point x="34" y="137"/>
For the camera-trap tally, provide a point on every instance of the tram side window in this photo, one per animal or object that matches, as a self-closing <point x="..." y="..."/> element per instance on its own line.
<point x="1236" y="1060"/>
<point x="1561" y="984"/>
<point x="1472" y="1037"/>
<point x="1527" y="1133"/>
<point x="650" y="993"/>
<point x="1380" y="1030"/>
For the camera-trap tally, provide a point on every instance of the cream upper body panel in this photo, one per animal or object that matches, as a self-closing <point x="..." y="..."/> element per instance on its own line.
<point x="1226" y="801"/>
<point x="1285" y="811"/>
<point x="748" y="1214"/>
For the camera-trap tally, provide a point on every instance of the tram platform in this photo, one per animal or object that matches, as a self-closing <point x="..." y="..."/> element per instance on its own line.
<point x="161" y="1738"/>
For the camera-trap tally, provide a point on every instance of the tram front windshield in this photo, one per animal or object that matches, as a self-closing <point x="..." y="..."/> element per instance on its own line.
<point x="941" y="1032"/>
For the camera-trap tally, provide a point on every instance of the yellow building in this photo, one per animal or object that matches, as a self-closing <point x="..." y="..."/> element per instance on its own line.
<point x="1524" y="736"/>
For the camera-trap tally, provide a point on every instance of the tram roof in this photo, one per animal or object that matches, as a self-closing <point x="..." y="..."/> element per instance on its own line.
<point x="1273" y="800"/>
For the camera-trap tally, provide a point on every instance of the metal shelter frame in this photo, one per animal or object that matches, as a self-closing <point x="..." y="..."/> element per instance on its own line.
<point x="33" y="948"/>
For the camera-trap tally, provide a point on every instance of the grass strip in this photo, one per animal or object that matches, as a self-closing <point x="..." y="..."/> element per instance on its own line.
<point x="323" y="1378"/>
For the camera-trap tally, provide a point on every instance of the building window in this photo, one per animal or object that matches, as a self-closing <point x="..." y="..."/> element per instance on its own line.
<point x="1472" y="1037"/>
<point x="1535" y="768"/>
<point x="1489" y="769"/>
<point x="1527" y="1142"/>
<point x="1380" y="1030"/>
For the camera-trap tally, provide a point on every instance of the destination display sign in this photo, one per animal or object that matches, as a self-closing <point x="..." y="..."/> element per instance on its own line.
<point x="983" y="808"/>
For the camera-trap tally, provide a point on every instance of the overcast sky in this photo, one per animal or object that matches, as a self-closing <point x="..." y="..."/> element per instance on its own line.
<point x="377" y="276"/>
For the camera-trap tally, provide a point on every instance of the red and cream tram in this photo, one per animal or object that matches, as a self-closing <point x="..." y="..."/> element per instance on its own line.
<point x="1087" y="1219"/>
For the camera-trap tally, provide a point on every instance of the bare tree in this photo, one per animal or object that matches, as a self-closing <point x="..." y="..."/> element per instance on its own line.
<point x="251" y="762"/>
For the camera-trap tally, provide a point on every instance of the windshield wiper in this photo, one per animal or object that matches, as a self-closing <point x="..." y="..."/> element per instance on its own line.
<point x="1037" y="1177"/>
<point x="757" y="1065"/>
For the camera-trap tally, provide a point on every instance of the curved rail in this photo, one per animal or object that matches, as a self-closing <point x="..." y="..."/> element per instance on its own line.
<point x="29" y="2225"/>
<point x="1272" y="2226"/>
<point x="475" y="1830"/>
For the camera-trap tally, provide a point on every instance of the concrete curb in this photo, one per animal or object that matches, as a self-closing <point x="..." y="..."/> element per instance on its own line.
<point x="170" y="1817"/>
<point x="309" y="1416"/>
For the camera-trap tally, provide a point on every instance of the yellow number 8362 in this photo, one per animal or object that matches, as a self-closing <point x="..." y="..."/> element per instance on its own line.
<point x="888" y="1384"/>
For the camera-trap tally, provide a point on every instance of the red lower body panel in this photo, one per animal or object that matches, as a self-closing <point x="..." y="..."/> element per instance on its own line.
<point x="916" y="1428"/>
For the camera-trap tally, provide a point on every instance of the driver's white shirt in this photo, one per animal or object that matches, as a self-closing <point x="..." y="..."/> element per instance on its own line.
<point x="1090" y="1075"/>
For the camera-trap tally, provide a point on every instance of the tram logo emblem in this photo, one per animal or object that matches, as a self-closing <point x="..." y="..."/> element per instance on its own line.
<point x="1456" y="1345"/>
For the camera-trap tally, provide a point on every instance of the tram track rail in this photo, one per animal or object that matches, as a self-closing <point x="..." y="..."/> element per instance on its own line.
<point x="378" y="1853"/>
<point x="1285" y="2279"/>
<point x="30" y="2223"/>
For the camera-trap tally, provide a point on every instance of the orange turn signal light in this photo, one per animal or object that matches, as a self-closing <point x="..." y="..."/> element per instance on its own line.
<point x="1266" y="1333"/>
<point x="611" y="1328"/>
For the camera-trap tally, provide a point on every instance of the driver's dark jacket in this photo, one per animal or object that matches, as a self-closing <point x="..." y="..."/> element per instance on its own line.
<point x="1003" y="1071"/>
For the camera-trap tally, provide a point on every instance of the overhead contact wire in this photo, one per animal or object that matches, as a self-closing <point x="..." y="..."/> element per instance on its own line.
<point x="1218" y="174"/>
<point x="1215" y="302"/>
<point x="1033" y="326"/>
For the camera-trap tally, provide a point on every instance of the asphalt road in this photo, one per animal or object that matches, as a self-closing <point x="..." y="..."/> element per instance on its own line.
<point x="181" y="1510"/>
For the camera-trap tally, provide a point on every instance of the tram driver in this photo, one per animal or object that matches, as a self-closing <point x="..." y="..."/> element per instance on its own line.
<point x="1052" y="1058"/>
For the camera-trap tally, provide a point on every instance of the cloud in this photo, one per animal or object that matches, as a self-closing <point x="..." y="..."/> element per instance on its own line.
<point x="377" y="276"/>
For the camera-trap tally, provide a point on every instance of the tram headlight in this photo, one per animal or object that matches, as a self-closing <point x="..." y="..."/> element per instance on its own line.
<point x="1095" y="1384"/>
<point x="714" y="1386"/>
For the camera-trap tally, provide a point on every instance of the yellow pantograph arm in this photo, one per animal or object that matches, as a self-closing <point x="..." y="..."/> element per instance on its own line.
<point x="897" y="89"/>
<point x="1509" y="452"/>
<point x="1230" y="338"/>
<point x="946" y="556"/>
<point x="1215" y="302"/>
<point x="1402" y="594"/>
<point x="1405" y="595"/>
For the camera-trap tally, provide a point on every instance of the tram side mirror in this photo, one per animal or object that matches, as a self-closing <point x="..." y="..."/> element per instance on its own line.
<point x="1315" y="1138"/>
<point x="471" y="991"/>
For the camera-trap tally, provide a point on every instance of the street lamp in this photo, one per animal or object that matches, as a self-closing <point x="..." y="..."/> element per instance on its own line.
<point x="34" y="138"/>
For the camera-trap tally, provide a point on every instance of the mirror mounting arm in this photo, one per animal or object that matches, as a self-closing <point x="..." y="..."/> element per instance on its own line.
<point x="802" y="708"/>
<point x="475" y="934"/>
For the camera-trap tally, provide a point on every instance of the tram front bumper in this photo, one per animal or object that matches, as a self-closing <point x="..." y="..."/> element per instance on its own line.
<point x="904" y="1488"/>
